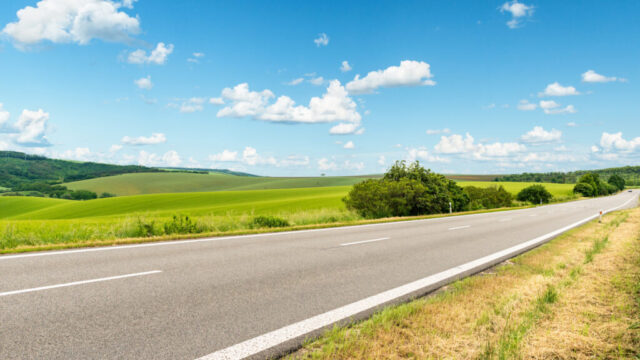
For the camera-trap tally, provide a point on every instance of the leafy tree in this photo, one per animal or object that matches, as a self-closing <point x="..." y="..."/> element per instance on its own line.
<point x="617" y="181"/>
<point x="83" y="195"/>
<point x="488" y="198"/>
<point x="584" y="189"/>
<point x="534" y="194"/>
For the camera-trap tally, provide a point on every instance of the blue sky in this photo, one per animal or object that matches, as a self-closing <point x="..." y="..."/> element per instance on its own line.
<point x="304" y="87"/>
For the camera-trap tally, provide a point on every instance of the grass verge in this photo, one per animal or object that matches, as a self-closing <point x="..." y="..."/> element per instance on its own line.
<point x="575" y="297"/>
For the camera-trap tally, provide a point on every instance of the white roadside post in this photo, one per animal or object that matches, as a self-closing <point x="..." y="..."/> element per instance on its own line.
<point x="450" y="209"/>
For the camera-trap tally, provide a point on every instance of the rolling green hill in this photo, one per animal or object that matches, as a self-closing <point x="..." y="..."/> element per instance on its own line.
<point x="171" y="182"/>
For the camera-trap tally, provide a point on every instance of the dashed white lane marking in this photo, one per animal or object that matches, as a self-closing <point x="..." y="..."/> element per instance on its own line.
<point x="16" y="292"/>
<point x="459" y="227"/>
<point x="264" y="342"/>
<point x="364" y="241"/>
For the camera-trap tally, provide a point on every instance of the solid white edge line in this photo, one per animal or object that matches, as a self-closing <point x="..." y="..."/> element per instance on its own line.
<point x="222" y="238"/>
<point x="364" y="241"/>
<point x="15" y="292"/>
<point x="460" y="227"/>
<point x="269" y="340"/>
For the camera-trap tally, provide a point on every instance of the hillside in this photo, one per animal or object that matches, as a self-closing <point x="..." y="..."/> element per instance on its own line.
<point x="172" y="182"/>
<point x="631" y="174"/>
<point x="18" y="168"/>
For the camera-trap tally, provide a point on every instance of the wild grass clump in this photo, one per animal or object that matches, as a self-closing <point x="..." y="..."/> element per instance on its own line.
<point x="269" y="222"/>
<point x="181" y="224"/>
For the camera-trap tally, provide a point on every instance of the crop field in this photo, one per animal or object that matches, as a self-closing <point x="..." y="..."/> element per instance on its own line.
<point x="559" y="191"/>
<point x="30" y="221"/>
<point x="173" y="182"/>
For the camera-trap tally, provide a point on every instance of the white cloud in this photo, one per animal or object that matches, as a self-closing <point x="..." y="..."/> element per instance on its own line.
<point x="456" y="144"/>
<point x="572" y="124"/>
<point x="64" y="21"/>
<point x="317" y="81"/>
<point x="216" y="101"/>
<point x="548" y="157"/>
<point x="615" y="141"/>
<point x="525" y="105"/>
<point x="346" y="129"/>
<point x="196" y="56"/>
<point x="321" y="40"/>
<point x="551" y="107"/>
<point x="192" y="105"/>
<point x="171" y="158"/>
<point x="144" y="83"/>
<point x="31" y="128"/>
<point x="345" y="66"/>
<point x="591" y="76"/>
<point x="409" y="73"/>
<point x="250" y="156"/>
<point x="555" y="89"/>
<point x="295" y="82"/>
<point x="115" y="148"/>
<point x="294" y="160"/>
<point x="349" y="145"/>
<point x="438" y="131"/>
<point x="357" y="166"/>
<point x="594" y="149"/>
<point x="157" y="56"/>
<point x="225" y="156"/>
<point x="539" y="135"/>
<point x="518" y="12"/>
<point x="325" y="164"/>
<point x="4" y="116"/>
<point x="382" y="160"/>
<point x="335" y="105"/>
<point x="155" y="138"/>
<point x="80" y="154"/>
<point x="421" y="153"/>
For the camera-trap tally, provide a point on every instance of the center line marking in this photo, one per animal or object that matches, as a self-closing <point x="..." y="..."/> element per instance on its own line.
<point x="364" y="241"/>
<point x="460" y="227"/>
<point x="15" y="292"/>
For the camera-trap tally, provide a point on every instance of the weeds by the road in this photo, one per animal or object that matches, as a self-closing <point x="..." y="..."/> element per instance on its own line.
<point x="575" y="297"/>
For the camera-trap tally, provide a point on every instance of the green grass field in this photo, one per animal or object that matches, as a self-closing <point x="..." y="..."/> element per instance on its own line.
<point x="33" y="222"/>
<point x="174" y="182"/>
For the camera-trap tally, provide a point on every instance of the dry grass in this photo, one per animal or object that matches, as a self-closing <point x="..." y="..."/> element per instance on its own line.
<point x="510" y="311"/>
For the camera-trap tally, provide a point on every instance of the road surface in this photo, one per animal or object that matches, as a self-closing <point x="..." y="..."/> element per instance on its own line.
<point x="250" y="295"/>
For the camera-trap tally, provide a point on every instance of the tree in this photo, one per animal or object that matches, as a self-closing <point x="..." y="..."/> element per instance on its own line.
<point x="83" y="195"/>
<point x="488" y="198"/>
<point x="534" y="194"/>
<point x="584" y="189"/>
<point x="617" y="181"/>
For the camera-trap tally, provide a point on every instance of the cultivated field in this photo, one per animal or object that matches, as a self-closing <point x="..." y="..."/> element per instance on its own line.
<point x="172" y="182"/>
<point x="33" y="222"/>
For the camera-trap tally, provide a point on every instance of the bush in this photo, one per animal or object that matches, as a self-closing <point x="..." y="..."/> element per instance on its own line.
<point x="617" y="181"/>
<point x="269" y="221"/>
<point x="406" y="190"/>
<point x="535" y="194"/>
<point x="488" y="198"/>
<point x="144" y="228"/>
<point x="180" y="225"/>
<point x="584" y="189"/>
<point x="593" y="180"/>
<point x="107" y="195"/>
<point x="83" y="195"/>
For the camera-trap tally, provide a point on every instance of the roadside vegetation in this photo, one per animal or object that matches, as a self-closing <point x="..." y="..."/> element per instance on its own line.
<point x="576" y="297"/>
<point x="591" y="185"/>
<point x="631" y="175"/>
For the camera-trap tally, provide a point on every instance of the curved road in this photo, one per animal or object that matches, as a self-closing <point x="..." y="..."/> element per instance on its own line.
<point x="233" y="297"/>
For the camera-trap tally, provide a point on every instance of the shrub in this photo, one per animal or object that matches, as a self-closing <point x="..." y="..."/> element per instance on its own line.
<point x="406" y="190"/>
<point x="534" y="194"/>
<point x="83" y="195"/>
<point x="584" y="189"/>
<point x="107" y="195"/>
<point x="617" y="181"/>
<point x="269" y="221"/>
<point x="180" y="224"/>
<point x="488" y="198"/>
<point x="144" y="228"/>
<point x="598" y="186"/>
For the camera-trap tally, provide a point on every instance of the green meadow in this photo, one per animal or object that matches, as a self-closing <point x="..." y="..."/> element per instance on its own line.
<point x="28" y="222"/>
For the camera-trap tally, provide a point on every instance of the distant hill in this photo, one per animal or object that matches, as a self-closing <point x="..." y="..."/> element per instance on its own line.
<point x="18" y="168"/>
<point x="631" y="175"/>
<point x="204" y="170"/>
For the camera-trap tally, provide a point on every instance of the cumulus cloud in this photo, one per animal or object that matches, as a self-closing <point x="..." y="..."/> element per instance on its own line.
<point x="334" y="106"/>
<point x="250" y="156"/>
<point x="192" y="105"/>
<point x="518" y="11"/>
<point x="551" y="107"/>
<point x="349" y="165"/>
<point x="548" y="157"/>
<point x="382" y="160"/>
<point x="225" y="156"/>
<point x="346" y="129"/>
<point x="525" y="105"/>
<point x="321" y="40"/>
<point x="325" y="164"/>
<point x="438" y="131"/>
<point x="555" y="89"/>
<point x="457" y="144"/>
<point x="31" y="127"/>
<point x="317" y="81"/>
<point x="349" y="145"/>
<point x="171" y="158"/>
<point x="294" y="160"/>
<point x="65" y="21"/>
<point x="295" y="82"/>
<point x="155" y="138"/>
<point x="423" y="154"/>
<point x="79" y="153"/>
<point x="4" y="116"/>
<point x="615" y="141"/>
<point x="409" y="73"/>
<point x="196" y="57"/>
<point x="539" y="135"/>
<point x="345" y="66"/>
<point x="157" y="56"/>
<point x="216" y="101"/>
<point x="591" y="76"/>
<point x="144" y="83"/>
<point x="115" y="148"/>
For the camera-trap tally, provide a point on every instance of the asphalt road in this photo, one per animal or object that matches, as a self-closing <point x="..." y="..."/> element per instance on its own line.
<point x="189" y="299"/>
